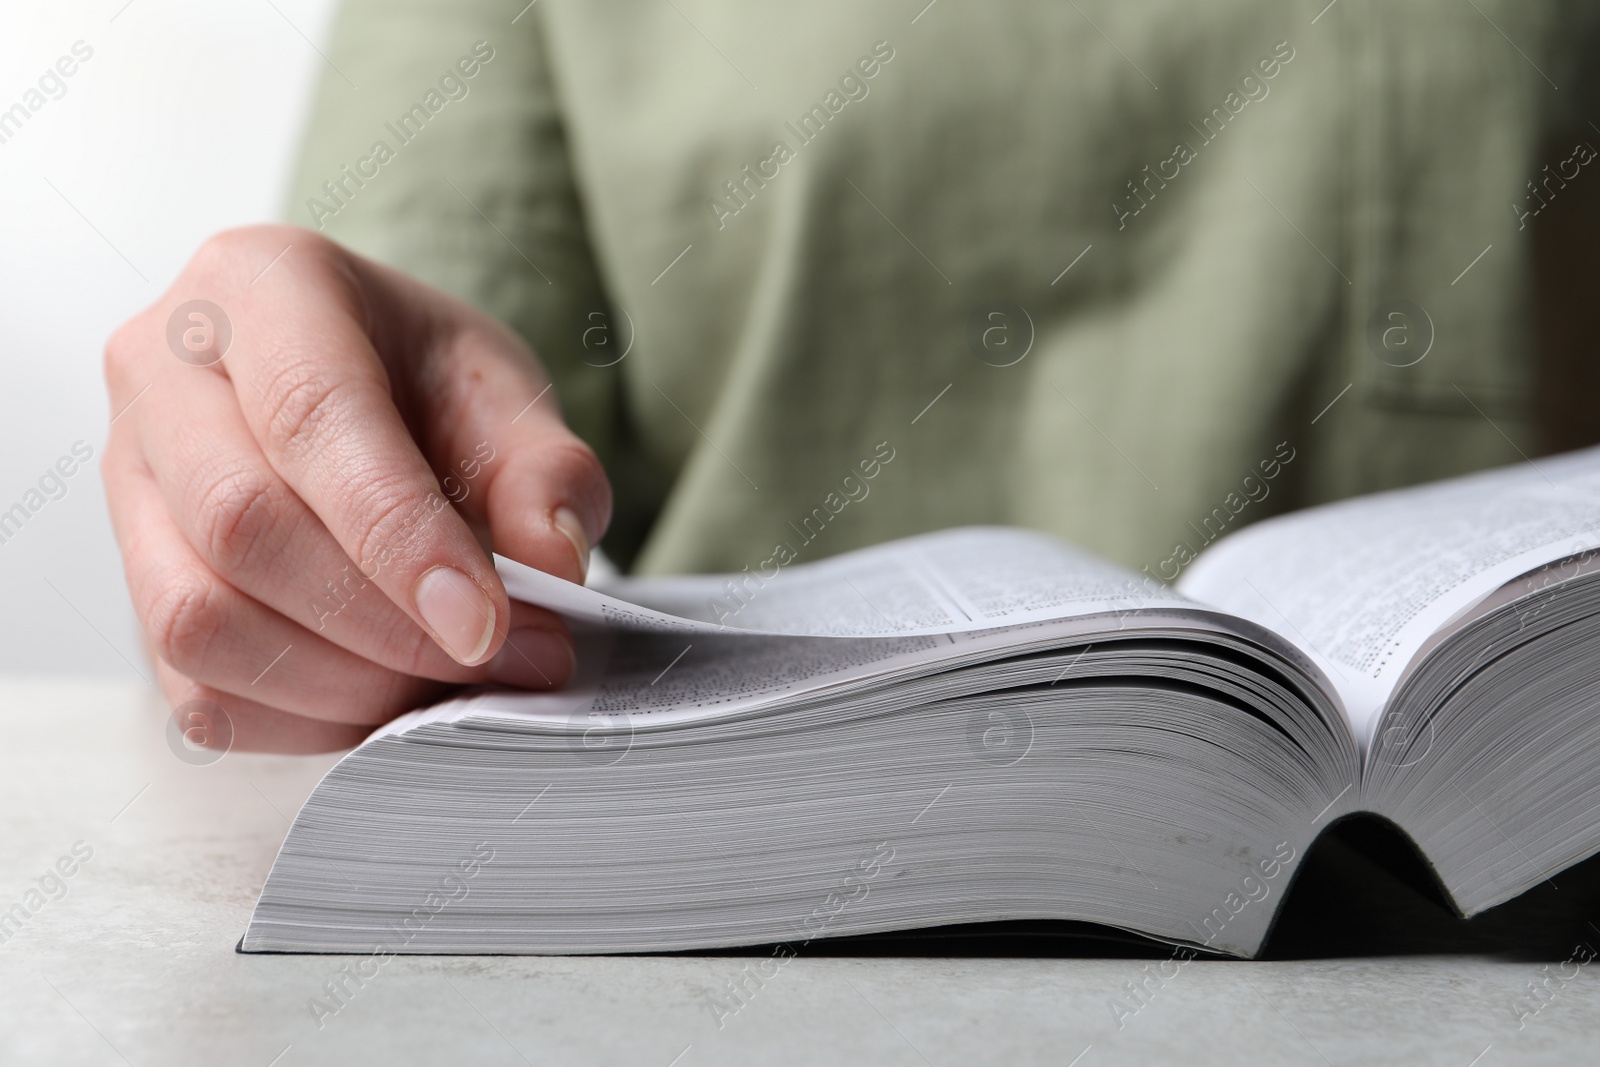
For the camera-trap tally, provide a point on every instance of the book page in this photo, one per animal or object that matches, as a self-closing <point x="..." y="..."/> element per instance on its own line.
<point x="632" y="679"/>
<point x="956" y="581"/>
<point x="681" y="648"/>
<point x="1361" y="585"/>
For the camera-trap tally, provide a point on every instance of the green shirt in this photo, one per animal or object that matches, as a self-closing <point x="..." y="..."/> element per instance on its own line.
<point x="1131" y="273"/>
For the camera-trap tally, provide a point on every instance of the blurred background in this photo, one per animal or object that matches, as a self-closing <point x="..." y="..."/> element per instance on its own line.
<point x="182" y="122"/>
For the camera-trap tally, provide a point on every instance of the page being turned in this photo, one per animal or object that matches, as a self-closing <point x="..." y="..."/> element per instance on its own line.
<point x="956" y="581"/>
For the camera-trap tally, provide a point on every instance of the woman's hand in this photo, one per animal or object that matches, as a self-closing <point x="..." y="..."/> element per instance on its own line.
<point x="304" y="472"/>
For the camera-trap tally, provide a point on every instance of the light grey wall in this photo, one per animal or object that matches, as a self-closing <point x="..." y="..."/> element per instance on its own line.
<point x="180" y="124"/>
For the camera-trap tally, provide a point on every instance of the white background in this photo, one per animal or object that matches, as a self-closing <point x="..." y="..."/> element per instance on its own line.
<point x="182" y="123"/>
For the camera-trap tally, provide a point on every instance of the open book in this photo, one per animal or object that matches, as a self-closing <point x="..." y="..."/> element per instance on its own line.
<point x="987" y="724"/>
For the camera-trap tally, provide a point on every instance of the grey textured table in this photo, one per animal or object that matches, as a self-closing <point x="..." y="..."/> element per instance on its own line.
<point x="135" y="963"/>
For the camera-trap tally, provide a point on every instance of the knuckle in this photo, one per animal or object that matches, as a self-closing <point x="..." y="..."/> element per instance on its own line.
<point x="302" y="404"/>
<point x="183" y="620"/>
<point x="121" y="354"/>
<point x="226" y="251"/>
<point x="575" y="464"/>
<point x="387" y="518"/>
<point x="240" y="247"/>
<point x="234" y="514"/>
<point x="574" y="460"/>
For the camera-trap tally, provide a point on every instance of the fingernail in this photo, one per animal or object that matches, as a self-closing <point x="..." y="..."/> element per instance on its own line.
<point x="534" y="659"/>
<point x="566" y="520"/>
<point x="457" y="611"/>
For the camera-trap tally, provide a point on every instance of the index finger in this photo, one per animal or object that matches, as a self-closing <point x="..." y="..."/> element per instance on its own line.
<point x="318" y="397"/>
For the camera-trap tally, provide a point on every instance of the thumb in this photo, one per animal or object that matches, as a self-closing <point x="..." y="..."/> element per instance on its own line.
<point x="537" y="486"/>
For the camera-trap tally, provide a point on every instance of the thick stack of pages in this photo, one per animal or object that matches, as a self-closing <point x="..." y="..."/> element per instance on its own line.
<point x="987" y="724"/>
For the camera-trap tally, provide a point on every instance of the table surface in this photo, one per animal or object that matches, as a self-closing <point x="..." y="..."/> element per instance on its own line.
<point x="135" y="963"/>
